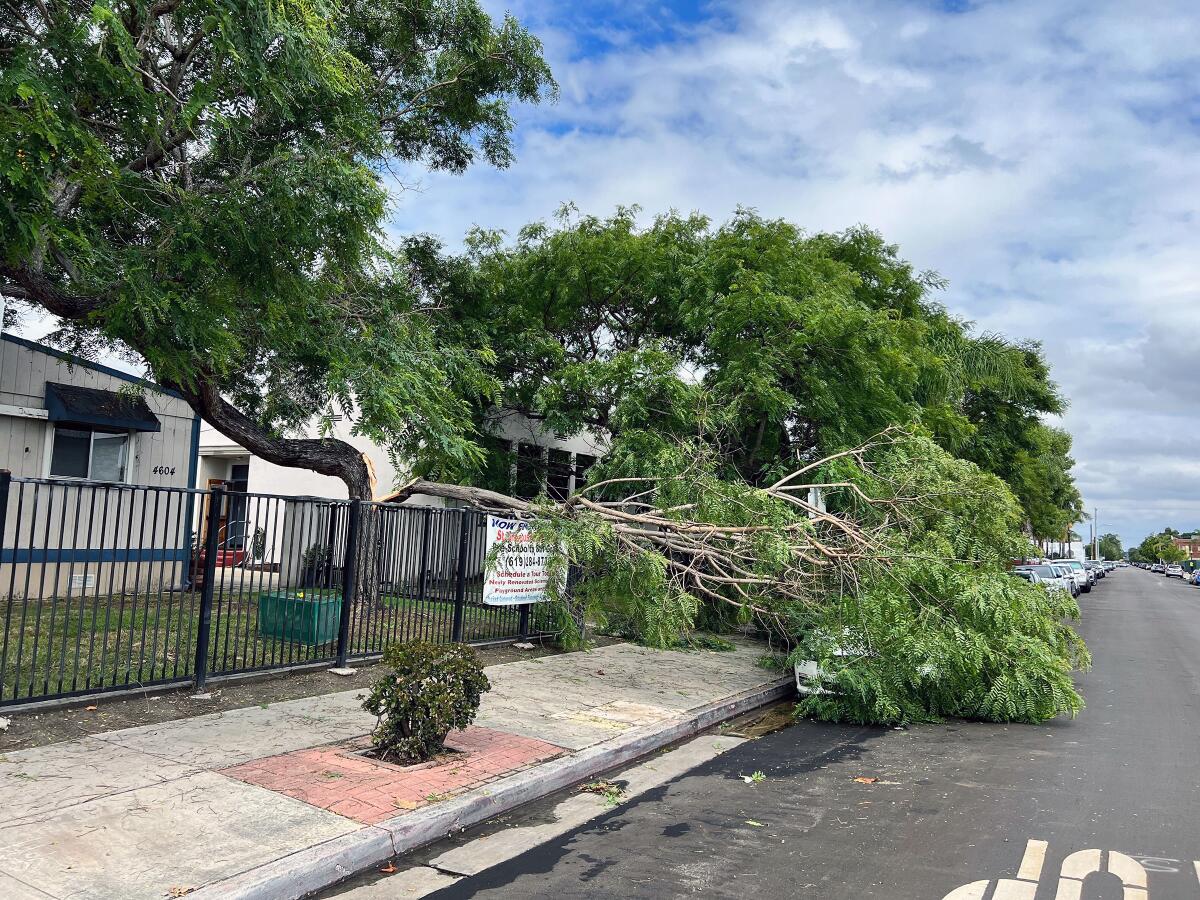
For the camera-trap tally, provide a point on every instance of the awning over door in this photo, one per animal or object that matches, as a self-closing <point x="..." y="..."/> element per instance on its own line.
<point x="92" y="406"/>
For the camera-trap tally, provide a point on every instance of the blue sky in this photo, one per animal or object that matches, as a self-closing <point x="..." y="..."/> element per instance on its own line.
<point x="1041" y="155"/>
<point x="1044" y="156"/>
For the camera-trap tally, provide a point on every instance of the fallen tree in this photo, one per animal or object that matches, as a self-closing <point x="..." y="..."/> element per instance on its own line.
<point x="894" y="584"/>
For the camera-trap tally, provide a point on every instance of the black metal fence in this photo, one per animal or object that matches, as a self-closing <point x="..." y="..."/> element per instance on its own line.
<point x="109" y="586"/>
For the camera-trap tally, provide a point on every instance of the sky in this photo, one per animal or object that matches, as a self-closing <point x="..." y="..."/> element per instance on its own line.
<point x="1043" y="156"/>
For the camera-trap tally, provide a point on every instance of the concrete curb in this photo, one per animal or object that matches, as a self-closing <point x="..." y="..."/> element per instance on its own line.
<point x="315" y="868"/>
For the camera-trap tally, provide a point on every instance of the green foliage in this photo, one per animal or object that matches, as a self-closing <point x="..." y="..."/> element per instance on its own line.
<point x="1110" y="547"/>
<point x="431" y="690"/>
<point x="711" y="361"/>
<point x="766" y="343"/>
<point x="1159" y="548"/>
<point x="929" y="624"/>
<point x="206" y="183"/>
<point x="934" y="627"/>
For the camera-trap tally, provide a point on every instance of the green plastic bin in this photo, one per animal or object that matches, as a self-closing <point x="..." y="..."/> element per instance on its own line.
<point x="301" y="616"/>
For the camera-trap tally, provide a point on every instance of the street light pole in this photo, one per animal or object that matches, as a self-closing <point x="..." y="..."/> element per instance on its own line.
<point x="1095" y="533"/>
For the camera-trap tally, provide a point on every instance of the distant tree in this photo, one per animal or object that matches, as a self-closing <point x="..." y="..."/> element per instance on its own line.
<point x="1110" y="547"/>
<point x="1160" y="548"/>
<point x="202" y="185"/>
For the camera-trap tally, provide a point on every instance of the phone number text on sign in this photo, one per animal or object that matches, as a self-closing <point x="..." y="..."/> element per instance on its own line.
<point x="519" y="571"/>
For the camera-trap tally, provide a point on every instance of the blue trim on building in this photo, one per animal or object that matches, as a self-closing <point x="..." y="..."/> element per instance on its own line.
<point x="75" y="555"/>
<point x="88" y="364"/>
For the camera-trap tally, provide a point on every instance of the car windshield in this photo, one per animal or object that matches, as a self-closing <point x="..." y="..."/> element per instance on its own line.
<point x="1043" y="571"/>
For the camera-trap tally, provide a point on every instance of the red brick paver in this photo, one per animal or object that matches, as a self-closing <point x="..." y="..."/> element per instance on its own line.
<point x="340" y="780"/>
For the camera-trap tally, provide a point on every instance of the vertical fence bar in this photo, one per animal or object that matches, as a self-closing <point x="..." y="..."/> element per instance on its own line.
<point x="200" y="669"/>
<point x="426" y="536"/>
<point x="460" y="581"/>
<point x="5" y="485"/>
<point x="349" y="571"/>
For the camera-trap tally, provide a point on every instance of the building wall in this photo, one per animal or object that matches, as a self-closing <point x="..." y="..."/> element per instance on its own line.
<point x="1189" y="544"/>
<point x="73" y="537"/>
<point x="268" y="478"/>
<point x="162" y="458"/>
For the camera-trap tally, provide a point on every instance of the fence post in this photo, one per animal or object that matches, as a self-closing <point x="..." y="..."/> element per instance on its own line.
<point x="523" y="626"/>
<point x="460" y="583"/>
<point x="426" y="515"/>
<point x="216" y="498"/>
<point x="5" y="485"/>
<point x="349" y="580"/>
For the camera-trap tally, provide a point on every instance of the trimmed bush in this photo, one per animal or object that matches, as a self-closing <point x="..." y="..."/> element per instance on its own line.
<point x="432" y="690"/>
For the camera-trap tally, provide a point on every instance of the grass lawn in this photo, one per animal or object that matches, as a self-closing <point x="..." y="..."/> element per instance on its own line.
<point x="58" y="645"/>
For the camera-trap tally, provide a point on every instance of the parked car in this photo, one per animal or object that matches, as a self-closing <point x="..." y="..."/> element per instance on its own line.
<point x="1194" y="578"/>
<point x="1174" y="571"/>
<point x="1095" y="568"/>
<point x="1068" y="578"/>
<point x="1083" y="580"/>
<point x="1158" y="568"/>
<point x="1056" y="578"/>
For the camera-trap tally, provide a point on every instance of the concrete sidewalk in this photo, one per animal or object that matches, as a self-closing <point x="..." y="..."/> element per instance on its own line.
<point x="275" y="802"/>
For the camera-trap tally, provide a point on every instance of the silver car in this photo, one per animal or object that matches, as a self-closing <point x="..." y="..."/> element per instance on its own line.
<point x="1054" y="577"/>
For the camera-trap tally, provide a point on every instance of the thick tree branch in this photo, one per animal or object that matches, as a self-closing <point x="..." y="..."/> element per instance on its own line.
<point x="25" y="284"/>
<point x="327" y="456"/>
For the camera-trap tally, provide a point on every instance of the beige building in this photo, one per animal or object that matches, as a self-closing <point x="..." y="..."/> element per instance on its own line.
<point x="111" y="455"/>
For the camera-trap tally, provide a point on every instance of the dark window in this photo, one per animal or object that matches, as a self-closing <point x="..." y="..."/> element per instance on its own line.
<point x="72" y="453"/>
<point x="89" y="453"/>
<point x="583" y="462"/>
<point x="558" y="474"/>
<point x="497" y="472"/>
<point x="531" y="471"/>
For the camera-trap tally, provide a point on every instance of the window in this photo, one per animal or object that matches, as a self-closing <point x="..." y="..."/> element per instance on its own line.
<point x="583" y="462"/>
<point x="558" y="474"/>
<point x="531" y="471"/>
<point x="89" y="453"/>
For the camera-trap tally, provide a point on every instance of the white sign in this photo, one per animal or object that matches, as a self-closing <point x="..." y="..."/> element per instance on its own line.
<point x="518" y="573"/>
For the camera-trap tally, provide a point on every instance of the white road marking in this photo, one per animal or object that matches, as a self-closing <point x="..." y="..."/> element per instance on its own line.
<point x="1009" y="889"/>
<point x="1075" y="869"/>
<point x="1130" y="871"/>
<point x="973" y="891"/>
<point x="1080" y="864"/>
<point x="1032" y="862"/>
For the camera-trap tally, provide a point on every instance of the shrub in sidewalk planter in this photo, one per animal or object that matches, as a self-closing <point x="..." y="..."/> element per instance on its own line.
<point x="432" y="690"/>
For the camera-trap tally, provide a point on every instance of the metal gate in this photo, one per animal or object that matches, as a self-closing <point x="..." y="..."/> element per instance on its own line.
<point x="109" y="586"/>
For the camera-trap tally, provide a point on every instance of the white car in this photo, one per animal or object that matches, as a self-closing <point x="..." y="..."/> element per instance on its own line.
<point x="1078" y="572"/>
<point x="1174" y="571"/>
<point x="1056" y="578"/>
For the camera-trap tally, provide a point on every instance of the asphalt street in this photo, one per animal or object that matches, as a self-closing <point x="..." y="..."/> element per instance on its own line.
<point x="955" y="807"/>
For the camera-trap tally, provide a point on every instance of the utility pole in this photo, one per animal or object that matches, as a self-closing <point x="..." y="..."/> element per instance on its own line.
<point x="1095" y="533"/>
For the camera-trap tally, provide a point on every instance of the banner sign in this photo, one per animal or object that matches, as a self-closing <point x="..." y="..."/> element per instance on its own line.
<point x="519" y="573"/>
